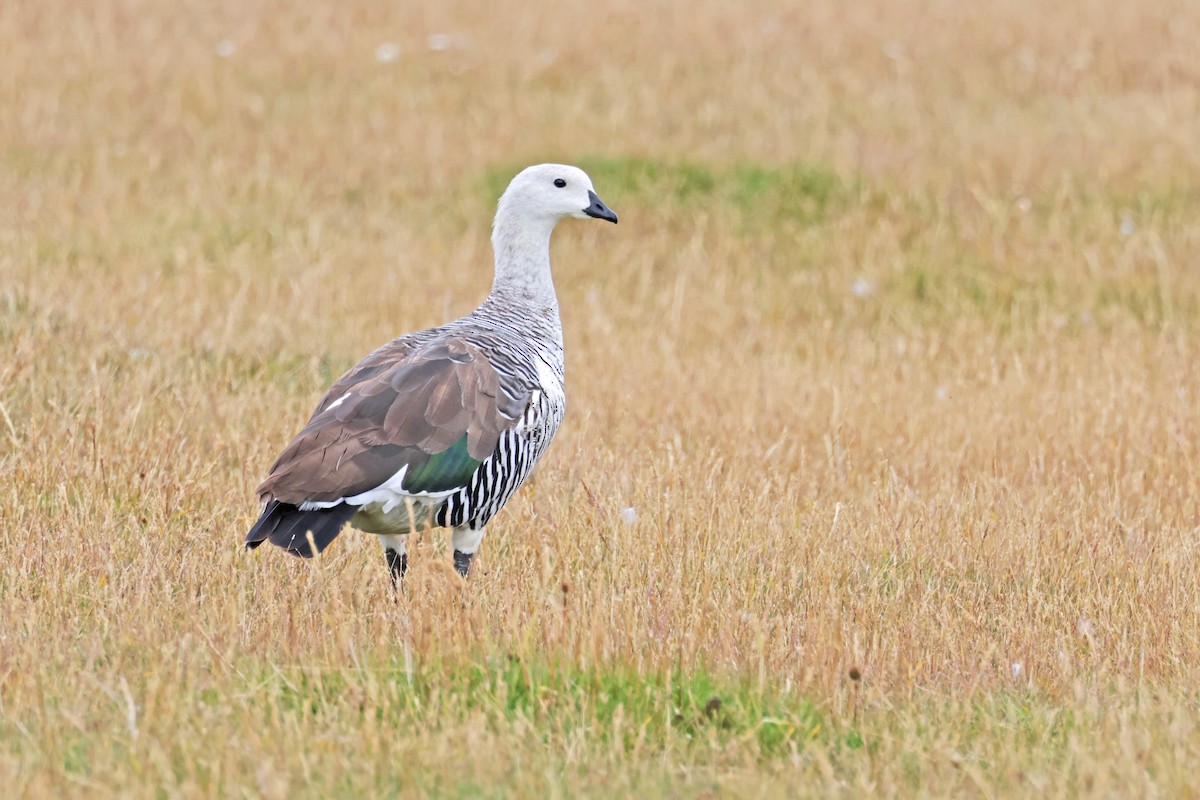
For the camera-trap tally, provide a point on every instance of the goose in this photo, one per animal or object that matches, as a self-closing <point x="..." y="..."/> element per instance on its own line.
<point x="440" y="427"/>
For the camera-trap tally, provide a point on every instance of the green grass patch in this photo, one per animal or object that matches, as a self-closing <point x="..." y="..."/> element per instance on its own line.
<point x="529" y="721"/>
<point x="610" y="704"/>
<point x="939" y="288"/>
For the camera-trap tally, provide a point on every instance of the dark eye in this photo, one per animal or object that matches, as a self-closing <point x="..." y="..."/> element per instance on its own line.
<point x="559" y="182"/>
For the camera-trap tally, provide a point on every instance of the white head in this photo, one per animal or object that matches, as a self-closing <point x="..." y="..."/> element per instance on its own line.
<point x="547" y="193"/>
<point x="528" y="211"/>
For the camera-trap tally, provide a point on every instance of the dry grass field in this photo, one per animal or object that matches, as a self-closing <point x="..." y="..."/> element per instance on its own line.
<point x="893" y="355"/>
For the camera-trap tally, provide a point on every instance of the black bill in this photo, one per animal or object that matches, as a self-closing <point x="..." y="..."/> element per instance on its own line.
<point x="598" y="210"/>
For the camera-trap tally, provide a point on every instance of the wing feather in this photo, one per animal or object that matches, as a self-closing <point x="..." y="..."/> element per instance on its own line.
<point x="438" y="410"/>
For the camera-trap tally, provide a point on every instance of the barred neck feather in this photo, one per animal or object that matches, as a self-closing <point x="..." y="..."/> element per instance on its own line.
<point x="538" y="325"/>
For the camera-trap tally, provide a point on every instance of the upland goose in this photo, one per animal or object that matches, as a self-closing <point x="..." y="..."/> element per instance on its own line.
<point x="440" y="427"/>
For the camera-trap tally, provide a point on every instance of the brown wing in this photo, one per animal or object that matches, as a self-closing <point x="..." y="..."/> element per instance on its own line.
<point x="439" y="409"/>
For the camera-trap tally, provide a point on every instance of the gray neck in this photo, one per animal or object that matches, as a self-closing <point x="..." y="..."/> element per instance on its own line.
<point x="523" y="282"/>
<point x="522" y="246"/>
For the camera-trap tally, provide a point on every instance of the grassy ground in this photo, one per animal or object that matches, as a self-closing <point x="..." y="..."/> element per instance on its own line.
<point x="893" y="355"/>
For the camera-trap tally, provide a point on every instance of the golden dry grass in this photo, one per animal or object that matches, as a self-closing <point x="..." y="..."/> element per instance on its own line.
<point x="893" y="353"/>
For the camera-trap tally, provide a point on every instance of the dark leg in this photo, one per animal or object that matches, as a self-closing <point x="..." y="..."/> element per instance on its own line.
<point x="397" y="559"/>
<point x="398" y="564"/>
<point x="466" y="542"/>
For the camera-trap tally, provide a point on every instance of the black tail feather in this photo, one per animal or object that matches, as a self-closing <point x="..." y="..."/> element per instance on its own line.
<point x="287" y="526"/>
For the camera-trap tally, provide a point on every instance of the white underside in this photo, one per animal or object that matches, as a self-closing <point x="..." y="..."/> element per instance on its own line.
<point x="388" y="509"/>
